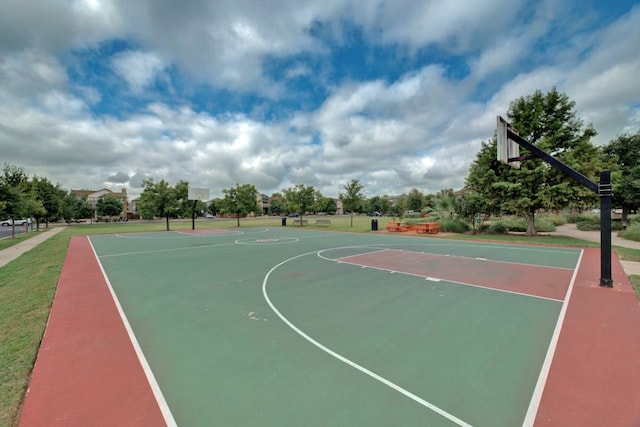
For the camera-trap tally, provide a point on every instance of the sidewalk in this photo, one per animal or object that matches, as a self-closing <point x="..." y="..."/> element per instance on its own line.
<point x="9" y="254"/>
<point x="570" y="230"/>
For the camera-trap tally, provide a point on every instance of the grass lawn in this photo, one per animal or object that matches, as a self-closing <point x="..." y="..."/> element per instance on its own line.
<point x="28" y="284"/>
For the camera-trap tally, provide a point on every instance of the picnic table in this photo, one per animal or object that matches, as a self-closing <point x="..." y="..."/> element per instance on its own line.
<point x="397" y="226"/>
<point x="428" y="228"/>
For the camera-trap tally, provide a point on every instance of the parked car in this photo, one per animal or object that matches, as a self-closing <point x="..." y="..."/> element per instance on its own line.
<point x="8" y="222"/>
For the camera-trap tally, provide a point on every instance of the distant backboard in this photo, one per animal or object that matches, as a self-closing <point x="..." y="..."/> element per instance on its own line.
<point x="507" y="149"/>
<point x="198" y="194"/>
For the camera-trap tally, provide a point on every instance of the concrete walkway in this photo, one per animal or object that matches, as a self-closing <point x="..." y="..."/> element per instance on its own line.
<point x="570" y="230"/>
<point x="12" y="252"/>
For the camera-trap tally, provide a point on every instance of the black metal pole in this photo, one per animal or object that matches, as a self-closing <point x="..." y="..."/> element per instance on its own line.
<point x="605" y="191"/>
<point x="193" y="215"/>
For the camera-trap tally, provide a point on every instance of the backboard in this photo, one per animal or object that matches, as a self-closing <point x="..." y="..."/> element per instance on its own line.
<point x="507" y="149"/>
<point x="198" y="194"/>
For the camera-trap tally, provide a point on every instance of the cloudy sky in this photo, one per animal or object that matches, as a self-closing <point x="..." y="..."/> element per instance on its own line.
<point x="398" y="94"/>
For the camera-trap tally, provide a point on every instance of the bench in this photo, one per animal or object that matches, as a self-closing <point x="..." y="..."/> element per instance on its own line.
<point x="397" y="226"/>
<point x="325" y="222"/>
<point x="298" y="221"/>
<point x="428" y="227"/>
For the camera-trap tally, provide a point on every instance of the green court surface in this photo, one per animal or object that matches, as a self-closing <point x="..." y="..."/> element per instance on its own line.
<point x="288" y="327"/>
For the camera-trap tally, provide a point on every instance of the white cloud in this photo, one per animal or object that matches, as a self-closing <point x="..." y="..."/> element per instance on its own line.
<point x="139" y="69"/>
<point x="419" y="129"/>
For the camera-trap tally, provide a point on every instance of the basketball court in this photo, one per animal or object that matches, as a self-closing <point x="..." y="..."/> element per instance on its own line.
<point x="286" y="326"/>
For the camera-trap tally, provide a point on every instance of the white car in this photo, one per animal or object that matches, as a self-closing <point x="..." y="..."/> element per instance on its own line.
<point x="8" y="222"/>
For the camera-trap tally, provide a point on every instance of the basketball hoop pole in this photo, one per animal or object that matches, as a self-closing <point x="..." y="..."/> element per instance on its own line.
<point x="604" y="190"/>
<point x="193" y="215"/>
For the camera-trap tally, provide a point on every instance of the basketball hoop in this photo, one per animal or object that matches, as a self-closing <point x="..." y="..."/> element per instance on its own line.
<point x="508" y="150"/>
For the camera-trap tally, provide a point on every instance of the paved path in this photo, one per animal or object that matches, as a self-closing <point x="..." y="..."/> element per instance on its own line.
<point x="570" y="230"/>
<point x="12" y="252"/>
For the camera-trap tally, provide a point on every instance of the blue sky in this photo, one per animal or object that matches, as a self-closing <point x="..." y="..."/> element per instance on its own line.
<point x="398" y="94"/>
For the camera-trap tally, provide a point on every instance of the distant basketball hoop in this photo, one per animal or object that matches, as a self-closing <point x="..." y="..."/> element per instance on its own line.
<point x="508" y="150"/>
<point x="196" y="194"/>
<point x="201" y="194"/>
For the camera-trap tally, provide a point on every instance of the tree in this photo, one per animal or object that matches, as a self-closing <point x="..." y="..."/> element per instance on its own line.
<point x="471" y="206"/>
<point x="325" y="204"/>
<point x="14" y="194"/>
<point x="624" y="153"/>
<point x="300" y="198"/>
<point x="399" y="207"/>
<point x="277" y="204"/>
<point x="181" y="193"/>
<point x="549" y="122"/>
<point x="241" y="200"/>
<point x="445" y="204"/>
<point x="379" y="204"/>
<point x="74" y="207"/>
<point x="353" y="198"/>
<point x="52" y="198"/>
<point x="109" y="205"/>
<point x="158" y="200"/>
<point x="215" y="206"/>
<point x="415" y="200"/>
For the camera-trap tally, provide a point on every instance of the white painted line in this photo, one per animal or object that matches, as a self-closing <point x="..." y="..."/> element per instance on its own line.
<point x="167" y="250"/>
<point x="433" y="279"/>
<point x="534" y="404"/>
<point x="343" y="359"/>
<point x="473" y="285"/>
<point x="155" y="388"/>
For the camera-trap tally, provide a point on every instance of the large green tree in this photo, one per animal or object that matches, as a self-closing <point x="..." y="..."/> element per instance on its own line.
<point x="15" y="194"/>
<point x="624" y="153"/>
<point x="549" y="121"/>
<point x="240" y="200"/>
<point x="300" y="198"/>
<point x="353" y="197"/>
<point x="415" y="200"/>
<point x="379" y="204"/>
<point x="109" y="205"/>
<point x="159" y="200"/>
<point x="51" y="197"/>
<point x="74" y="207"/>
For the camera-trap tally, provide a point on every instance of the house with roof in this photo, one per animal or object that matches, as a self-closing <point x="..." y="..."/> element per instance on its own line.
<point x="93" y="196"/>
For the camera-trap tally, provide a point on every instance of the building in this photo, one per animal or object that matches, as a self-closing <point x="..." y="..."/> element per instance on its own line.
<point x="93" y="196"/>
<point x="264" y="203"/>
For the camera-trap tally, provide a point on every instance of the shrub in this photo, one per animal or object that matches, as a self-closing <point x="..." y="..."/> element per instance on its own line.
<point x="496" y="228"/>
<point x="556" y="220"/>
<point x="576" y="218"/>
<point x="632" y="232"/>
<point x="454" y="226"/>
<point x="592" y="223"/>
<point x="519" y="225"/>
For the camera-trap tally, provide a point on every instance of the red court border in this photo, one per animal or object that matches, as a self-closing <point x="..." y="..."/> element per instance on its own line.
<point x="525" y="279"/>
<point x="87" y="372"/>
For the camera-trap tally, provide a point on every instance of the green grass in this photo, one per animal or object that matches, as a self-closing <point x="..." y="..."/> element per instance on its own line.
<point x="28" y="284"/>
<point x="27" y="287"/>
<point x="635" y="282"/>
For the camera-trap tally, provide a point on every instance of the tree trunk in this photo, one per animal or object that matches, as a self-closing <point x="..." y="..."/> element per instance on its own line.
<point x="238" y="218"/>
<point x="531" y="224"/>
<point x="167" y="222"/>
